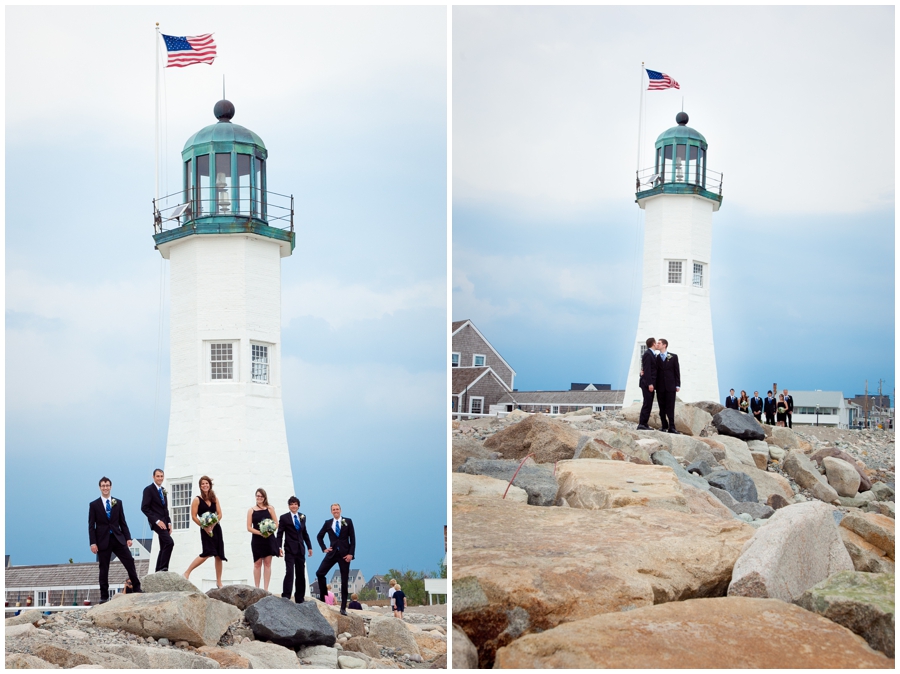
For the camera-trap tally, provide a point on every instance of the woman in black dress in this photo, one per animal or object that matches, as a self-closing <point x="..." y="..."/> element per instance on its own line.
<point x="781" y="416"/>
<point x="213" y="546"/>
<point x="263" y="547"/>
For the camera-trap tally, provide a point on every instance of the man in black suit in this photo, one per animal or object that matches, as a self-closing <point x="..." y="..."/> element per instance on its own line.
<point x="756" y="406"/>
<point x="647" y="383"/>
<point x="731" y="402"/>
<point x="341" y="551"/>
<point x="155" y="505"/>
<point x="790" y="408"/>
<point x="668" y="383"/>
<point x="292" y="534"/>
<point x="769" y="406"/>
<point x="109" y="534"/>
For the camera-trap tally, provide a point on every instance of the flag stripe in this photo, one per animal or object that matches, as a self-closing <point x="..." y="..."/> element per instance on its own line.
<point x="660" y="81"/>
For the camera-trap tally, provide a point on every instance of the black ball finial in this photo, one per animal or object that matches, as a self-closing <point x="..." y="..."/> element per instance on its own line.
<point x="224" y="110"/>
<point x="681" y="118"/>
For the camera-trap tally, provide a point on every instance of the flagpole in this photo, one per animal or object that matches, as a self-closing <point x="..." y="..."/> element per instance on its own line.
<point x="640" y="107"/>
<point x="156" y="148"/>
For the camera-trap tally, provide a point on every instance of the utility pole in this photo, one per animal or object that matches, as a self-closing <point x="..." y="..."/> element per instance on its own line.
<point x="867" y="404"/>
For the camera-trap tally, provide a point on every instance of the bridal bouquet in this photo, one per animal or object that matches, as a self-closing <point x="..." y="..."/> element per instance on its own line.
<point x="267" y="527"/>
<point x="207" y="520"/>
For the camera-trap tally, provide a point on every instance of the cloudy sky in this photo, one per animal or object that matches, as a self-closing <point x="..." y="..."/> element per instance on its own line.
<point x="352" y="106"/>
<point x="797" y="104"/>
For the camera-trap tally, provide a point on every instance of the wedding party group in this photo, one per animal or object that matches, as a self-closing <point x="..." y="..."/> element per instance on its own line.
<point x="285" y="536"/>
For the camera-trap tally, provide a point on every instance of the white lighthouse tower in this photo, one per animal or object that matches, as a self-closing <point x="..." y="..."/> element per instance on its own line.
<point x="224" y="235"/>
<point x="679" y="196"/>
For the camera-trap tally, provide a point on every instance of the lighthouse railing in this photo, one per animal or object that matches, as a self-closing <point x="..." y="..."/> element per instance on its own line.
<point x="179" y="209"/>
<point x="651" y="178"/>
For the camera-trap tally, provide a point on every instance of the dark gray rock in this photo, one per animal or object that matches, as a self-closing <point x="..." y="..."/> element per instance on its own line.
<point x="738" y="425"/>
<point x="882" y="492"/>
<point x="536" y="480"/>
<point x="777" y="501"/>
<point x="757" y="511"/>
<point x="739" y="485"/>
<point x="664" y="458"/>
<point x="701" y="468"/>
<point x="289" y="624"/>
<point x="241" y="596"/>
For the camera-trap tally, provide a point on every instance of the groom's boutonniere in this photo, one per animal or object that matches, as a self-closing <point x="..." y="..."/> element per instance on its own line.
<point x="165" y="493"/>
<point x="302" y="517"/>
<point x="343" y="522"/>
<point x="113" y="501"/>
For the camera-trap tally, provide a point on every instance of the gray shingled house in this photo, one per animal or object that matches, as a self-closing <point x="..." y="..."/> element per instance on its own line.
<point x="64" y="584"/>
<point x="480" y="374"/>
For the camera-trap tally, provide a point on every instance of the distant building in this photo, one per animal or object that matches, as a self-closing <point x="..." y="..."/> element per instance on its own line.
<point x="65" y="584"/>
<point x="833" y="409"/>
<point x="355" y="582"/>
<point x="380" y="585"/>
<point x="480" y="374"/>
<point x="560" y="402"/>
<point x="873" y="400"/>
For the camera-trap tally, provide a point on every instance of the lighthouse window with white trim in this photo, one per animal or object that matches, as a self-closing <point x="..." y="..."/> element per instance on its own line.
<point x="221" y="361"/>
<point x="675" y="272"/>
<point x="260" y="363"/>
<point x="698" y="275"/>
<point x="181" y="504"/>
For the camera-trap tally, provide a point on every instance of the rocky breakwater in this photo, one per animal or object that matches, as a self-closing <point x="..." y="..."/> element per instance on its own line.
<point x="731" y="521"/>
<point x="237" y="627"/>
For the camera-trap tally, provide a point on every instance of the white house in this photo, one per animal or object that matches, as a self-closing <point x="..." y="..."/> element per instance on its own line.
<point x="827" y="408"/>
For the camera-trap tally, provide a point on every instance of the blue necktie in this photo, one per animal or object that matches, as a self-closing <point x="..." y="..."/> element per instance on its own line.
<point x="108" y="511"/>
<point x="296" y="523"/>
<point x="337" y="527"/>
<point x="161" y="497"/>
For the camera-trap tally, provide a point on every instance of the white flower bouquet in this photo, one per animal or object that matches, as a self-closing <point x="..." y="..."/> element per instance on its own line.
<point x="208" y="519"/>
<point x="267" y="527"/>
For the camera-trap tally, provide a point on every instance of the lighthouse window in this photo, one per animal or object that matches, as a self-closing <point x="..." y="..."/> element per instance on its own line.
<point x="680" y="168"/>
<point x="203" y="185"/>
<point x="223" y="183"/>
<point x="667" y="159"/>
<point x="260" y="363"/>
<point x="260" y="208"/>
<point x="243" y="184"/>
<point x="698" y="275"/>
<point x="181" y="504"/>
<point x="188" y="182"/>
<point x="675" y="271"/>
<point x="693" y="166"/>
<point x="221" y="361"/>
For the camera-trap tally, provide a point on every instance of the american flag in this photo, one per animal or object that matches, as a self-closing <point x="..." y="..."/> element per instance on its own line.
<point x="186" y="51"/>
<point x="660" y="81"/>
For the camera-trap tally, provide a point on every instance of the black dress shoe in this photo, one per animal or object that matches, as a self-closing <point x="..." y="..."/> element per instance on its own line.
<point x="103" y="601"/>
<point x="664" y="430"/>
<point x="643" y="427"/>
<point x="673" y="431"/>
<point x="343" y="612"/>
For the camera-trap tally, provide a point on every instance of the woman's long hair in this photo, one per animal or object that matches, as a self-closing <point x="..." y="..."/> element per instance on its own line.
<point x="210" y="495"/>
<point x="264" y="495"/>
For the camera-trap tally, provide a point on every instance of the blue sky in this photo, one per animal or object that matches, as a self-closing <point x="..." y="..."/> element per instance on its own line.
<point x="351" y="103"/>
<point x="797" y="104"/>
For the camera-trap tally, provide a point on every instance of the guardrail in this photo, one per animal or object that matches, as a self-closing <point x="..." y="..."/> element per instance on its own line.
<point x="178" y="209"/>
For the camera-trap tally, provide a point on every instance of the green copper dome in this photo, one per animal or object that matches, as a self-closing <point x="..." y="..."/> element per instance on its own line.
<point x="682" y="132"/>
<point x="224" y="131"/>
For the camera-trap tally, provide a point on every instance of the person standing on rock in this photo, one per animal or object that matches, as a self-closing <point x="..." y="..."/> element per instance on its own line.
<point x="731" y="402"/>
<point x="211" y="542"/>
<point x="769" y="406"/>
<point x="155" y="506"/>
<point x="341" y="551"/>
<point x="292" y="534"/>
<point x="668" y="383"/>
<point x="782" y="410"/>
<point x="108" y="533"/>
<point x="262" y="545"/>
<point x="789" y="401"/>
<point x="647" y="383"/>
<point x="756" y="406"/>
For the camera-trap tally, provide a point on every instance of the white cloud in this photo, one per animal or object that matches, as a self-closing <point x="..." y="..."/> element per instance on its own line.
<point x="341" y="304"/>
